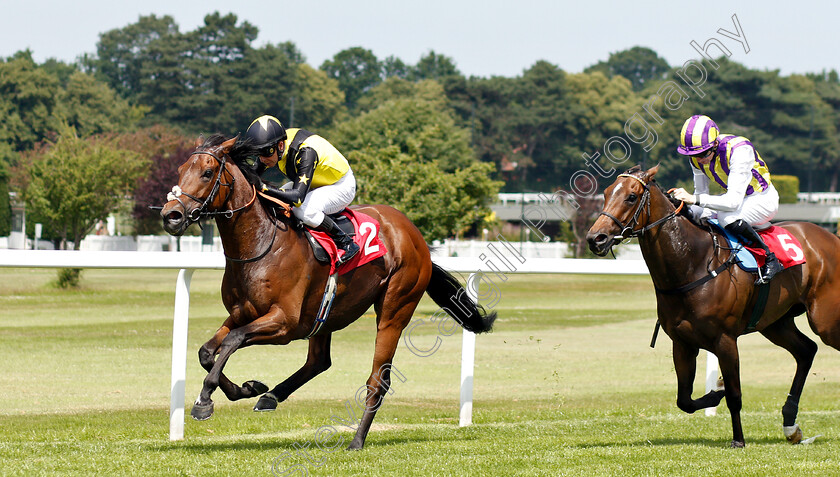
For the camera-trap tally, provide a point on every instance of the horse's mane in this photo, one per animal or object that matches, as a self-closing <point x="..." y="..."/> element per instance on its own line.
<point x="242" y="150"/>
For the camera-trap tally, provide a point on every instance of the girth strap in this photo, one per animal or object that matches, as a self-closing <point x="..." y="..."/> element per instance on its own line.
<point x="696" y="283"/>
<point x="758" y="309"/>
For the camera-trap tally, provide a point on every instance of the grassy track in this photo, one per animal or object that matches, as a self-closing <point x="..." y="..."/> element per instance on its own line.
<point x="566" y="385"/>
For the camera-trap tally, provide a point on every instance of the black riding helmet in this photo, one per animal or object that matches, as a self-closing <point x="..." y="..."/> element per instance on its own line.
<point x="265" y="132"/>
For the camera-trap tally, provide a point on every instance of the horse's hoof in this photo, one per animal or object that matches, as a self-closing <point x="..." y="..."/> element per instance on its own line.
<point x="253" y="388"/>
<point x="736" y="444"/>
<point x="354" y="446"/>
<point x="202" y="412"/>
<point x="793" y="434"/>
<point x="267" y="402"/>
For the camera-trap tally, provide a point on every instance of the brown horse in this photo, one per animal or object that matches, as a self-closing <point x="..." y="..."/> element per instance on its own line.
<point x="272" y="286"/>
<point x="699" y="309"/>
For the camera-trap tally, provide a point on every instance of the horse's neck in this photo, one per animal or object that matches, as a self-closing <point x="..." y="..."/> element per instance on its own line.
<point x="252" y="230"/>
<point x="674" y="249"/>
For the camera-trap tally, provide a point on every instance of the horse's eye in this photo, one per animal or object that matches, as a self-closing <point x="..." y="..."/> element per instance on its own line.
<point x="631" y="198"/>
<point x="207" y="174"/>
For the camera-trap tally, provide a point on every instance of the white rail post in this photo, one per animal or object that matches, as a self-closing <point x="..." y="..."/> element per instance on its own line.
<point x="179" y="354"/>
<point x="711" y="378"/>
<point x="468" y="363"/>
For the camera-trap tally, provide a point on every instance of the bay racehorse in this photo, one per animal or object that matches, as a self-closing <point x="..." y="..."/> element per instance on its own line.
<point x="699" y="309"/>
<point x="273" y="285"/>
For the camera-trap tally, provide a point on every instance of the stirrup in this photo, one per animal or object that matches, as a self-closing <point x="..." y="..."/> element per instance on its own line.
<point x="771" y="268"/>
<point x="349" y="253"/>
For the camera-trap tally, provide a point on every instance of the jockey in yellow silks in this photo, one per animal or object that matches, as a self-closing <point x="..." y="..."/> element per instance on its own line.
<point x="322" y="182"/>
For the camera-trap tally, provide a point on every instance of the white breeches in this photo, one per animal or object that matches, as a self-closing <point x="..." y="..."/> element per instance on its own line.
<point x="328" y="199"/>
<point x="756" y="210"/>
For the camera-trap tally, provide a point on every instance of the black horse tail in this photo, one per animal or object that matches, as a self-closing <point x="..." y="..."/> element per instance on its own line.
<point x="448" y="293"/>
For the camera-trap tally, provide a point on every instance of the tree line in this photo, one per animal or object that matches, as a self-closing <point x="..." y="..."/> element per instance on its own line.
<point x="422" y="137"/>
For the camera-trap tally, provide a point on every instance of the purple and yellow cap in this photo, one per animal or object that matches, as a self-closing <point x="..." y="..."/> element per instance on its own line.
<point x="698" y="134"/>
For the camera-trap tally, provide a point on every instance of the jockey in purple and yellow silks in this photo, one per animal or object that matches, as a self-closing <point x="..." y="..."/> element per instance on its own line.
<point x="321" y="179"/>
<point x="750" y="200"/>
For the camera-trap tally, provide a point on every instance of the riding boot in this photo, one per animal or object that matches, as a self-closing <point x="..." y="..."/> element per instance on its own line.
<point x="342" y="240"/>
<point x="771" y="264"/>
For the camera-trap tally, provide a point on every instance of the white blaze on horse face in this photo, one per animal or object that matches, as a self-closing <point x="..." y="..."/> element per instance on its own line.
<point x="617" y="190"/>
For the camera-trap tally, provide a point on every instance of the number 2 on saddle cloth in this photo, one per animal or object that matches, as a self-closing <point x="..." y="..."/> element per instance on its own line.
<point x="366" y="230"/>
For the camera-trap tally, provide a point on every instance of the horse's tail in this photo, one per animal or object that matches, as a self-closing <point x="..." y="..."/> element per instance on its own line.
<point x="448" y="293"/>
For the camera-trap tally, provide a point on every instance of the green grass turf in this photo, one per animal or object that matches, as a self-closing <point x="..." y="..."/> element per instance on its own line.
<point x="566" y="385"/>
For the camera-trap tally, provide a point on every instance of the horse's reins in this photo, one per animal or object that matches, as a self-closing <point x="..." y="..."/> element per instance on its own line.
<point x="200" y="212"/>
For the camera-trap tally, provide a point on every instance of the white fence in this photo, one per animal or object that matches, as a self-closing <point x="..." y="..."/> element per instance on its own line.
<point x="188" y="262"/>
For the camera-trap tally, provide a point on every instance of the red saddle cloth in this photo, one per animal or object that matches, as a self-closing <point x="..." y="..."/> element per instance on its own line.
<point x="367" y="238"/>
<point x="782" y="243"/>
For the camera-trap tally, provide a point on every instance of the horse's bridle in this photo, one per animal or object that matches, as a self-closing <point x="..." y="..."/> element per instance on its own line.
<point x="198" y="213"/>
<point x="631" y="224"/>
<point x="201" y="211"/>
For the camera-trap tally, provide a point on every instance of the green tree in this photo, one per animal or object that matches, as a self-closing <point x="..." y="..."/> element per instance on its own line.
<point x="393" y="67"/>
<point x="827" y="86"/>
<point x="434" y="66"/>
<point x="356" y="69"/>
<point x="75" y="182"/>
<point x="166" y="149"/>
<point x="638" y="64"/>
<point x="121" y="53"/>
<point x="207" y="80"/>
<point x="599" y="109"/>
<point x="319" y="103"/>
<point x="27" y="105"/>
<point x="5" y="204"/>
<point x="408" y="153"/>
<point x="92" y="107"/>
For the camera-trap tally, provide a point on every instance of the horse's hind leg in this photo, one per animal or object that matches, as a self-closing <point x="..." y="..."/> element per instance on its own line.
<point x="379" y="381"/>
<point x="317" y="361"/>
<point x="824" y="317"/>
<point x="393" y="312"/>
<point x="785" y="334"/>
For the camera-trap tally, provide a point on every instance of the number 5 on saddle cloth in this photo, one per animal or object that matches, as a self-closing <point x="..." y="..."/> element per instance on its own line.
<point x="781" y="242"/>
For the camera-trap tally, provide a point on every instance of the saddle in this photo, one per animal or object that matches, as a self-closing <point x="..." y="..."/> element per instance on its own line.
<point x="321" y="254"/>
<point x="781" y="242"/>
<point x="363" y="228"/>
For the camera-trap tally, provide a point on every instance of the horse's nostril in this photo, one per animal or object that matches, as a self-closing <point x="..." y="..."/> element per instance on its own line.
<point x="174" y="216"/>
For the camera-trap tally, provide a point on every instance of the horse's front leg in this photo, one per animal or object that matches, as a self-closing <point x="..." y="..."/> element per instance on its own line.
<point x="265" y="328"/>
<point x="727" y="353"/>
<point x="317" y="361"/>
<point x="207" y="358"/>
<point x="685" y="363"/>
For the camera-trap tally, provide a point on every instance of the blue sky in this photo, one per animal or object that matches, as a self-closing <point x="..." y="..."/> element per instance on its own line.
<point x="484" y="39"/>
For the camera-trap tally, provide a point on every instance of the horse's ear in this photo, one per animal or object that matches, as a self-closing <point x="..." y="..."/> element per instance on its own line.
<point x="651" y="172"/>
<point x="228" y="145"/>
<point x="199" y="141"/>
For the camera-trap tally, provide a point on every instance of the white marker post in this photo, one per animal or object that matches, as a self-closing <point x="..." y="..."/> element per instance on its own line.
<point x="179" y="355"/>
<point x="711" y="378"/>
<point x="468" y="363"/>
